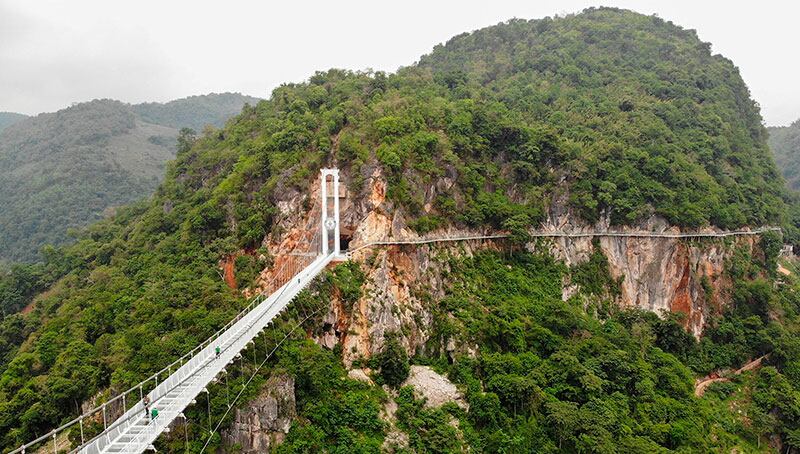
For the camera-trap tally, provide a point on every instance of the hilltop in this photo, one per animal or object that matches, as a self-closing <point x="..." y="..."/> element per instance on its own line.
<point x="604" y="118"/>
<point x="65" y="170"/>
<point x="195" y="111"/>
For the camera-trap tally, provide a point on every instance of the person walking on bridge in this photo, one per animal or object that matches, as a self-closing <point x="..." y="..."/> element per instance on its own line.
<point x="146" y="402"/>
<point x="216" y="350"/>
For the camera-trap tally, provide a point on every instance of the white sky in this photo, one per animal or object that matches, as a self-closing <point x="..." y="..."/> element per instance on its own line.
<point x="54" y="52"/>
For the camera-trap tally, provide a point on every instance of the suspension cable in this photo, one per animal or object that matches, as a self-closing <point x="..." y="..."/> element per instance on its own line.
<point x="258" y="368"/>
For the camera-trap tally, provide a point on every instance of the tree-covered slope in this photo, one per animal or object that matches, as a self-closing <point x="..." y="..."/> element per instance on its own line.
<point x="620" y="115"/>
<point x="9" y="118"/>
<point x="636" y="111"/>
<point x="194" y="112"/>
<point x="785" y="144"/>
<point x="64" y="170"/>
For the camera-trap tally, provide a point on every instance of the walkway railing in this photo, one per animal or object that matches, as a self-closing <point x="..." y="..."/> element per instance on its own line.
<point x="562" y="234"/>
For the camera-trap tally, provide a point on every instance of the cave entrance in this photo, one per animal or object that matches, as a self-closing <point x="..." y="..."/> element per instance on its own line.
<point x="345" y="236"/>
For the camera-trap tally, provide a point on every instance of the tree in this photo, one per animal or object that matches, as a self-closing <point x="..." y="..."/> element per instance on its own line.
<point x="393" y="361"/>
<point x="186" y="139"/>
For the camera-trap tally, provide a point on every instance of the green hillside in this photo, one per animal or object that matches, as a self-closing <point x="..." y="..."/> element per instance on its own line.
<point x="784" y="141"/>
<point x="194" y="112"/>
<point x="620" y="114"/>
<point x="9" y="118"/>
<point x="70" y="168"/>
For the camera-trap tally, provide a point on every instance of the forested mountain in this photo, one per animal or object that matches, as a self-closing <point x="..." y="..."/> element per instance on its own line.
<point x="609" y="115"/>
<point x="785" y="144"/>
<point x="9" y="118"/>
<point x="63" y="170"/>
<point x="195" y="111"/>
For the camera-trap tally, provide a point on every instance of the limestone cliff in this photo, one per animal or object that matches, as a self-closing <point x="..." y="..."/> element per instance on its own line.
<point x="656" y="274"/>
<point x="265" y="421"/>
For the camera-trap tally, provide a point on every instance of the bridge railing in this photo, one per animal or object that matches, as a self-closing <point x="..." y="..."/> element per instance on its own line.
<point x="288" y="268"/>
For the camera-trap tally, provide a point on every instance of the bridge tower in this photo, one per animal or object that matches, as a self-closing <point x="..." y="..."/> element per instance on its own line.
<point x="330" y="224"/>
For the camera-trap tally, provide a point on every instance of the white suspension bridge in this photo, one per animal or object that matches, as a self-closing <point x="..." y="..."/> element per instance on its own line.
<point x="189" y="376"/>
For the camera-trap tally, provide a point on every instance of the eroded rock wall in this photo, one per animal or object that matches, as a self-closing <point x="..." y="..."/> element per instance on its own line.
<point x="656" y="274"/>
<point x="264" y="422"/>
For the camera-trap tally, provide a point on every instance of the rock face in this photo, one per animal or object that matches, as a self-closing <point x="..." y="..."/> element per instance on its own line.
<point x="656" y="274"/>
<point x="436" y="389"/>
<point x="266" y="420"/>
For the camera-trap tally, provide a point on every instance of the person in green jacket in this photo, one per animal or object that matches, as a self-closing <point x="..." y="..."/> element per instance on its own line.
<point x="153" y="413"/>
<point x="217" y="351"/>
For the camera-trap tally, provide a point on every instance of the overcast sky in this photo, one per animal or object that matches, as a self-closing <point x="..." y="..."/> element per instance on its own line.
<point x="53" y="53"/>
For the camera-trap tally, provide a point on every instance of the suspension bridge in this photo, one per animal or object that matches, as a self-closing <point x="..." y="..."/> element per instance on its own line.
<point x="176" y="386"/>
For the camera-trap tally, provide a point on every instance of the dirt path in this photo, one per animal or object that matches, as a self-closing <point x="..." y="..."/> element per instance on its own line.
<point x="705" y="382"/>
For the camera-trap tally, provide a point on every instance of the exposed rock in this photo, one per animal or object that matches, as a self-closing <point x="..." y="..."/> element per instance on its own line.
<point x="434" y="388"/>
<point x="264" y="422"/>
<point x="661" y="275"/>
<point x="656" y="274"/>
<point x="395" y="439"/>
<point x="360" y="375"/>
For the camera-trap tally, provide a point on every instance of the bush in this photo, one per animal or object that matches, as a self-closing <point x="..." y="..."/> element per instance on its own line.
<point x="393" y="361"/>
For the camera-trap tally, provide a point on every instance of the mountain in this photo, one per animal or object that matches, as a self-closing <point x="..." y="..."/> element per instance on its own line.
<point x="195" y="111"/>
<point x="9" y="118"/>
<point x="606" y="119"/>
<point x="784" y="141"/>
<point x="66" y="169"/>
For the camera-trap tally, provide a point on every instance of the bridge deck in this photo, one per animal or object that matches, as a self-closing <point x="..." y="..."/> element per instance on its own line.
<point x="134" y="433"/>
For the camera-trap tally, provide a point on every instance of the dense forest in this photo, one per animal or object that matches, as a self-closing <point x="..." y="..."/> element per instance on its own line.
<point x="9" y="118"/>
<point x="784" y="141"/>
<point x="66" y="169"/>
<point x="618" y="115"/>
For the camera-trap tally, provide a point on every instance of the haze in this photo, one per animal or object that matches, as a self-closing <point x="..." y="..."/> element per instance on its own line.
<point x="54" y="53"/>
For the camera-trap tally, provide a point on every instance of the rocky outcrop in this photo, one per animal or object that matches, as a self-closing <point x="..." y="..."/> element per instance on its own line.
<point x="436" y="389"/>
<point x="655" y="274"/>
<point x="266" y="420"/>
<point x="661" y="275"/>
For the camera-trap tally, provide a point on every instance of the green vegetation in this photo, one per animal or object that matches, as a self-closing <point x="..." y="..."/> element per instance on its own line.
<point x="9" y="118"/>
<point x="620" y="114"/>
<point x="195" y="112"/>
<point x="393" y="361"/>
<point x="550" y="378"/>
<point x="67" y="169"/>
<point x="337" y="414"/>
<point x="784" y="141"/>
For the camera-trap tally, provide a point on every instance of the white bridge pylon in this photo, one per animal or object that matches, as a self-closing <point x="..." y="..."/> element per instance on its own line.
<point x="330" y="225"/>
<point x="134" y="432"/>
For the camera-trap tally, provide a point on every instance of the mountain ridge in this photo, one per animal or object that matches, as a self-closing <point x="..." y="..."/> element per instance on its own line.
<point x="9" y="118"/>
<point x="66" y="169"/>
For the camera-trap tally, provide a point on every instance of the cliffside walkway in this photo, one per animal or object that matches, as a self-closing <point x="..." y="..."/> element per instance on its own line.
<point x="702" y="384"/>
<point x="577" y="234"/>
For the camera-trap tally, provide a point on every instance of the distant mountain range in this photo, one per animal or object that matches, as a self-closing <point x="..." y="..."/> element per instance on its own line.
<point x="9" y="118"/>
<point x="66" y="169"/>
<point x="784" y="141"/>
